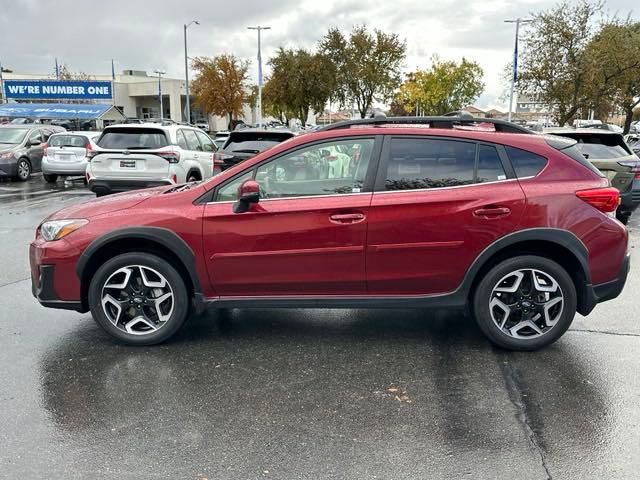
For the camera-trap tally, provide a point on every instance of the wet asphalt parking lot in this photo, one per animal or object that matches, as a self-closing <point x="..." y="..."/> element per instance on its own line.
<point x="305" y="394"/>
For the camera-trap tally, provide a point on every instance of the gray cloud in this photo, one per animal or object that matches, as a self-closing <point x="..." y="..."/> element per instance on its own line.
<point x="147" y="34"/>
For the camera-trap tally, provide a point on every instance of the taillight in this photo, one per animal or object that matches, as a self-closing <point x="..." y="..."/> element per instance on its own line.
<point x="171" y="157"/>
<point x="45" y="147"/>
<point x="221" y="157"/>
<point x="604" y="199"/>
<point x="174" y="178"/>
<point x="634" y="165"/>
<point x="87" y="175"/>
<point x="90" y="154"/>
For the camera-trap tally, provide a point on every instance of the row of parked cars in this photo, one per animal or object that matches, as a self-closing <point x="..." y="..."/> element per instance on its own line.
<point x="127" y="156"/>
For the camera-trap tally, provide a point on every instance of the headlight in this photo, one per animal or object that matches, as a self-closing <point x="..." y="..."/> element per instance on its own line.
<point x="6" y="155"/>
<point x="57" y="229"/>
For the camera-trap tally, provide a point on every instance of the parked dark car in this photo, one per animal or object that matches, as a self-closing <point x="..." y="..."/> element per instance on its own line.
<point x="515" y="227"/>
<point x="22" y="148"/>
<point x="609" y="152"/>
<point x="243" y="144"/>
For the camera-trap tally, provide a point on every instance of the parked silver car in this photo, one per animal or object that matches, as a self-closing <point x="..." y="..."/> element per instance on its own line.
<point x="66" y="154"/>
<point x="22" y="148"/>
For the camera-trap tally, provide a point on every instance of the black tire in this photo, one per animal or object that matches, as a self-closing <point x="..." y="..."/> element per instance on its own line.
<point x="180" y="305"/>
<point x="623" y="217"/>
<point x="193" y="177"/>
<point x="50" y="178"/>
<point x="483" y="296"/>
<point x="23" y="170"/>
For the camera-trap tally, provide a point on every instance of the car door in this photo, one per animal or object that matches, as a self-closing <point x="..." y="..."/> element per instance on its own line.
<point x="194" y="152"/>
<point x="206" y="156"/>
<point x="35" y="149"/>
<point x="438" y="203"/>
<point x="307" y="234"/>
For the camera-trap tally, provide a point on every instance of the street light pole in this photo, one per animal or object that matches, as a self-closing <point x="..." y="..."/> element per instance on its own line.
<point x="259" y="28"/>
<point x="160" y="73"/>
<point x="186" y="69"/>
<point x="518" y="21"/>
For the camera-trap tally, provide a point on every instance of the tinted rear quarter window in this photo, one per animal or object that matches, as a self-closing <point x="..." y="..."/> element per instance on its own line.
<point x="525" y="164"/>
<point x="133" y="139"/>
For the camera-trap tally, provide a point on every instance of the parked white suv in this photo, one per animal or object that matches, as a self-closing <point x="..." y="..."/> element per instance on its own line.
<point x="149" y="155"/>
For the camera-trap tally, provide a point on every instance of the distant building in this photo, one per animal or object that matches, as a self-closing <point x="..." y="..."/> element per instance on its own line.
<point x="475" y="111"/>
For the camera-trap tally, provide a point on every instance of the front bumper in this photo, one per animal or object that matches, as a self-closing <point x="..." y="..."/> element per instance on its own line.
<point x="606" y="291"/>
<point x="112" y="186"/>
<point x="8" y="168"/>
<point x="53" y="280"/>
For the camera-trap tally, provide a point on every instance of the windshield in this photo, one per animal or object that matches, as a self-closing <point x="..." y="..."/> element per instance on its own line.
<point x="133" y="139"/>
<point x="13" y="136"/>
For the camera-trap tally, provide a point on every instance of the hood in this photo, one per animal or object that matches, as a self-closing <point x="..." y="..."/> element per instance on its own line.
<point x="6" y="147"/>
<point x="108" y="204"/>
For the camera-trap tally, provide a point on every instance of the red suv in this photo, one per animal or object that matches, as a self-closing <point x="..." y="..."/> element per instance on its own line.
<point x="518" y="228"/>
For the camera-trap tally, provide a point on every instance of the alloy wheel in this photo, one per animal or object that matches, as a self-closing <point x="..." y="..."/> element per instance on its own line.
<point x="137" y="300"/>
<point x="23" y="169"/>
<point x="526" y="303"/>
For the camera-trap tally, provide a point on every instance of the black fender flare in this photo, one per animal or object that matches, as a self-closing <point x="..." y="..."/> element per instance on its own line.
<point x="563" y="238"/>
<point x="167" y="238"/>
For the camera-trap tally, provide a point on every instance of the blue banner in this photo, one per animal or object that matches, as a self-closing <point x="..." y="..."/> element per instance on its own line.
<point x="58" y="89"/>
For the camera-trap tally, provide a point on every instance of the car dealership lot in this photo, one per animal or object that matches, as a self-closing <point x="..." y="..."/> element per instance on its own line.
<point x="305" y="393"/>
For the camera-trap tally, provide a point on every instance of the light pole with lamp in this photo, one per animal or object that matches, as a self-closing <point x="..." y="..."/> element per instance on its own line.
<point x="186" y="68"/>
<point x="259" y="28"/>
<point x="518" y="21"/>
<point x="160" y="73"/>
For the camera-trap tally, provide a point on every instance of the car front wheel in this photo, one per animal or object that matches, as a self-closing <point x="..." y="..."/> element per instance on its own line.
<point x="138" y="298"/>
<point x="24" y="170"/>
<point x="525" y="303"/>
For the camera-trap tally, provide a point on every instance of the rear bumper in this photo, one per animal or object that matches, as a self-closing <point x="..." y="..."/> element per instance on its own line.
<point x="113" y="186"/>
<point x="606" y="291"/>
<point x="630" y="200"/>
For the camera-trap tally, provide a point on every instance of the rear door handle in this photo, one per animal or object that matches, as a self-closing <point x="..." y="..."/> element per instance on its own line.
<point x="347" y="217"/>
<point x="492" y="212"/>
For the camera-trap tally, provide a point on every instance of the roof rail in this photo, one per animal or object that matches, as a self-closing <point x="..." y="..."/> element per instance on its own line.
<point x="450" y="120"/>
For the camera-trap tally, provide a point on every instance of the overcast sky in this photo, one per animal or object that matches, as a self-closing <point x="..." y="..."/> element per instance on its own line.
<point x="147" y="34"/>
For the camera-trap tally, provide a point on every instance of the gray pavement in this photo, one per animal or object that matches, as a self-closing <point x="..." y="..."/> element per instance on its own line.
<point x="305" y="394"/>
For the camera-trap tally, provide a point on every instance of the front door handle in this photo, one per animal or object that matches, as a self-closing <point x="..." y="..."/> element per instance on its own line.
<point x="346" y="217"/>
<point x="492" y="212"/>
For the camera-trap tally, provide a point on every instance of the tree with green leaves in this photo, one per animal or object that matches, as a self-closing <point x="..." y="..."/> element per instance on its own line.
<point x="614" y="69"/>
<point x="553" y="62"/>
<point x="220" y="86"/>
<point x="300" y="81"/>
<point x="447" y="86"/>
<point x="368" y="65"/>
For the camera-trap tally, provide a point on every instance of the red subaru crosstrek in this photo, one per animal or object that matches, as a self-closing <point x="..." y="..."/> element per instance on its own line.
<point x="413" y="212"/>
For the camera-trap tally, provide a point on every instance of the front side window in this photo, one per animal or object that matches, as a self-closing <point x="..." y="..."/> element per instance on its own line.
<point x="205" y="141"/>
<point x="419" y="163"/>
<point x="332" y="168"/>
<point x="229" y="192"/>
<point x="35" y="137"/>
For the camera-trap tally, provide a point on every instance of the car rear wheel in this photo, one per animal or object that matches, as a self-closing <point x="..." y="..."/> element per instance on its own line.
<point x="525" y="303"/>
<point x="24" y="170"/>
<point x="50" y="178"/>
<point x="138" y="298"/>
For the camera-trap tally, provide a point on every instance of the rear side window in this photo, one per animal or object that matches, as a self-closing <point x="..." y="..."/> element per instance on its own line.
<point x="428" y="163"/>
<point x="192" y="140"/>
<point x="67" y="141"/>
<point x="490" y="167"/>
<point x="526" y="164"/>
<point x="133" y="139"/>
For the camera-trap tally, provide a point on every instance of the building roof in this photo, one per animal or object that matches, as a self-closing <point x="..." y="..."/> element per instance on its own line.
<point x="472" y="109"/>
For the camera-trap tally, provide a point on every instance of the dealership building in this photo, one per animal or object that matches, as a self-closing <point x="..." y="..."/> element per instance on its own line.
<point x="135" y="93"/>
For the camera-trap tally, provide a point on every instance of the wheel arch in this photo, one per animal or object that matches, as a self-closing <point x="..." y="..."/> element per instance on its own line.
<point x="561" y="246"/>
<point x="154" y="240"/>
<point x="195" y="170"/>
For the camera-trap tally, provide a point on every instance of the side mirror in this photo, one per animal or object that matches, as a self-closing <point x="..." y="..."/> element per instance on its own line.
<point x="35" y="143"/>
<point x="248" y="193"/>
